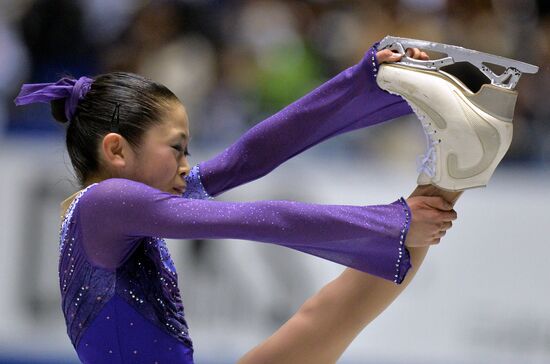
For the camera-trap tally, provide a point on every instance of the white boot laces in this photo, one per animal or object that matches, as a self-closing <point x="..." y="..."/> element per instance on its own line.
<point x="426" y="163"/>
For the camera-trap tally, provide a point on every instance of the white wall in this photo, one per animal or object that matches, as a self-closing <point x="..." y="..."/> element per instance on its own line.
<point x="480" y="297"/>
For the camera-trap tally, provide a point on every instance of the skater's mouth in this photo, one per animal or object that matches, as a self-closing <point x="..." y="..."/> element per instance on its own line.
<point x="179" y="190"/>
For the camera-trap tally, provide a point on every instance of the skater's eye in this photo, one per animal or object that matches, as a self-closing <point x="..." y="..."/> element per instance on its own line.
<point x="180" y="149"/>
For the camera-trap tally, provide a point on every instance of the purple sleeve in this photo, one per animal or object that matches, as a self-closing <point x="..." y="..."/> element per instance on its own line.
<point x="349" y="101"/>
<point x="116" y="213"/>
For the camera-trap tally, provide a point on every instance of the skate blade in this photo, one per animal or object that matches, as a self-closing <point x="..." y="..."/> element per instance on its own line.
<point x="508" y="79"/>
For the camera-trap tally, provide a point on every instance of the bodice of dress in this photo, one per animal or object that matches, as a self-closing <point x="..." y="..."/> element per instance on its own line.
<point x="147" y="280"/>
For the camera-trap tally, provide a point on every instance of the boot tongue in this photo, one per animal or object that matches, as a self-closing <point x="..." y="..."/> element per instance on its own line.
<point x="423" y="179"/>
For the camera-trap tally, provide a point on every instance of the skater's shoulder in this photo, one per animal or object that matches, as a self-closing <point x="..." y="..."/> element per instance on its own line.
<point x="116" y="194"/>
<point x="113" y="189"/>
<point x="95" y="192"/>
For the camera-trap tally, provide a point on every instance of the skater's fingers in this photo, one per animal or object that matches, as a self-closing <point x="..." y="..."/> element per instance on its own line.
<point x="448" y="216"/>
<point x="387" y="55"/>
<point x="437" y="202"/>
<point x="445" y="226"/>
<point x="416" y="54"/>
<point x="434" y="241"/>
<point x="413" y="53"/>
<point x="441" y="234"/>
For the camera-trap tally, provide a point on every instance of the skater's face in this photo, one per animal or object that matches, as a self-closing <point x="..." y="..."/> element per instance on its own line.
<point x="160" y="161"/>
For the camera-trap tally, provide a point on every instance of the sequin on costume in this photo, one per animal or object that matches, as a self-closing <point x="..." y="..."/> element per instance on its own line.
<point x="195" y="188"/>
<point x="401" y="269"/>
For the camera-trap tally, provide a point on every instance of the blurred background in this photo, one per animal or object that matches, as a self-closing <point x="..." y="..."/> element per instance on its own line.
<point x="483" y="293"/>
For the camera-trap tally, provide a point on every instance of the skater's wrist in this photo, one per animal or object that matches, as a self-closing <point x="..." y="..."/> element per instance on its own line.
<point x="369" y="64"/>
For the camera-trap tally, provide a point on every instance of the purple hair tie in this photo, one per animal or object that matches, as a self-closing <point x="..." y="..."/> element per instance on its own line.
<point x="71" y="89"/>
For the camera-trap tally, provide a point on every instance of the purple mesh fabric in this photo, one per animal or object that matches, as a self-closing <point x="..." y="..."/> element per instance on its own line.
<point x="148" y="281"/>
<point x="194" y="188"/>
<point x="84" y="288"/>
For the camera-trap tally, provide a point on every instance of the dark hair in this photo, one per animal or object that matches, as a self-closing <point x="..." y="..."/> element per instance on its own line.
<point x="142" y="104"/>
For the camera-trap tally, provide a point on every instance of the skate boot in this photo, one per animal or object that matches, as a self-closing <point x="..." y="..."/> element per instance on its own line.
<point x="465" y="108"/>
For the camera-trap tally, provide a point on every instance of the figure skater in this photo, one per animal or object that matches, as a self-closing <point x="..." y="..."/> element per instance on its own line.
<point x="128" y="138"/>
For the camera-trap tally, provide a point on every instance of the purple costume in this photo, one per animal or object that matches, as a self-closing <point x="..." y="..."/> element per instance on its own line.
<point x="118" y="283"/>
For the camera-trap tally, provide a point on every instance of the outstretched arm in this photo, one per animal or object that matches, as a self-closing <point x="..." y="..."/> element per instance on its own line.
<point x="349" y="101"/>
<point x="329" y="321"/>
<point x="116" y="213"/>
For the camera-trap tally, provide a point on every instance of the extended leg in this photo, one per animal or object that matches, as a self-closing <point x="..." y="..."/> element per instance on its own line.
<point x="328" y="322"/>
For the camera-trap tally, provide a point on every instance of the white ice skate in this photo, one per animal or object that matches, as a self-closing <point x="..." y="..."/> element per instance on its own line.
<point x="466" y="112"/>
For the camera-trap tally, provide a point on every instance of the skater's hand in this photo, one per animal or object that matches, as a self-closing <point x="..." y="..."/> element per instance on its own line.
<point x="432" y="216"/>
<point x="387" y="55"/>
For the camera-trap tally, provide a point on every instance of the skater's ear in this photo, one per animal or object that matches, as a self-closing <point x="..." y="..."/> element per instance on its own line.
<point x="116" y="153"/>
